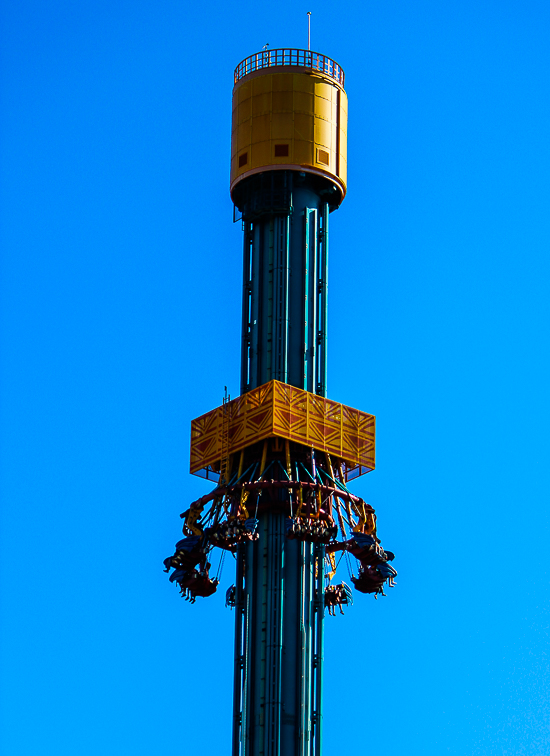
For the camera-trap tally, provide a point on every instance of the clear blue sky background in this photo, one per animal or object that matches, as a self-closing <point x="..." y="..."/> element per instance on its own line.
<point x="121" y="322"/>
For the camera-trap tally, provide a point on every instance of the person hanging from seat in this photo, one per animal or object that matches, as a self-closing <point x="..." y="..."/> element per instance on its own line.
<point x="372" y="577"/>
<point x="365" y="548"/>
<point x="193" y="583"/>
<point x="369" y="581"/>
<point x="188" y="552"/>
<point x="331" y="599"/>
<point x="340" y="598"/>
<point x="337" y="595"/>
<point x="344" y="596"/>
<point x="185" y="580"/>
<point x="204" y="585"/>
<point x="387" y="571"/>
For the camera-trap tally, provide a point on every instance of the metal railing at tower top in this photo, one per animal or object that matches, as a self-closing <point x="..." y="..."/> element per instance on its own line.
<point x="286" y="56"/>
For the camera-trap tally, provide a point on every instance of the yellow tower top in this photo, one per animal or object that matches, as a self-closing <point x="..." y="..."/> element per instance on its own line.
<point x="290" y="112"/>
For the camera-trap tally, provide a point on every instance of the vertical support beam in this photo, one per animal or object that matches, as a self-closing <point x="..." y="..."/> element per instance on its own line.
<point x="241" y="658"/>
<point x="313" y="301"/>
<point x="310" y="301"/>
<point x="305" y="300"/>
<point x="291" y="656"/>
<point x="278" y="687"/>
<point x="266" y="312"/>
<point x="264" y="595"/>
<point x="322" y="334"/>
<point x="280" y="299"/>
<point x="248" y="348"/>
<point x="306" y="650"/>
<point x="250" y="679"/>
<point x="274" y="635"/>
<point x="269" y="332"/>
<point x="319" y="648"/>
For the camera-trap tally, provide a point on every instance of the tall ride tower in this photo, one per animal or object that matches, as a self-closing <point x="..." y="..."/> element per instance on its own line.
<point x="281" y="453"/>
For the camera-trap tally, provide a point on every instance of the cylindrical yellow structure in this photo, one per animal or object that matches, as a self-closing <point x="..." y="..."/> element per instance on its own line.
<point x="290" y="112"/>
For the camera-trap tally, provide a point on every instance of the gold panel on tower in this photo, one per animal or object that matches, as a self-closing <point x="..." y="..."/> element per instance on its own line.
<point x="278" y="410"/>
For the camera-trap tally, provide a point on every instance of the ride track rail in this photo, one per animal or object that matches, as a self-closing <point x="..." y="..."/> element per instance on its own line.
<point x="289" y="56"/>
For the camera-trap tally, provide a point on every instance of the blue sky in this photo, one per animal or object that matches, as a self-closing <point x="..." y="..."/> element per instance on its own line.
<point x="121" y="322"/>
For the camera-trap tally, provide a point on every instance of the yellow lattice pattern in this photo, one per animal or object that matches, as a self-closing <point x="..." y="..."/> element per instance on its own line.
<point x="279" y="410"/>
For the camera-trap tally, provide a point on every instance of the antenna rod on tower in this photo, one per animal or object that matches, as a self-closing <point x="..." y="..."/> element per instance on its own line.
<point x="309" y="30"/>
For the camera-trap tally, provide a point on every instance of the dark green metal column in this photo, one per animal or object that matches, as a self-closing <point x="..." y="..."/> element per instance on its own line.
<point x="285" y="283"/>
<point x="279" y="591"/>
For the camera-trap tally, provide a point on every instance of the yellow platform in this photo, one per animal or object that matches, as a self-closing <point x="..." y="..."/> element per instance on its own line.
<point x="277" y="410"/>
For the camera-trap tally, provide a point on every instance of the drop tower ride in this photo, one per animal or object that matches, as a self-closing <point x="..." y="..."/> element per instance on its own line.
<point x="281" y="453"/>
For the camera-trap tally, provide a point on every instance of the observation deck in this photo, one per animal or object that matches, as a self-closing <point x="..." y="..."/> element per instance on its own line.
<point x="290" y="112"/>
<point x="287" y="56"/>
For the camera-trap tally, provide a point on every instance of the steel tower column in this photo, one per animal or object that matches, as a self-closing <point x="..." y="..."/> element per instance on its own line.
<point x="284" y="338"/>
<point x="285" y="285"/>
